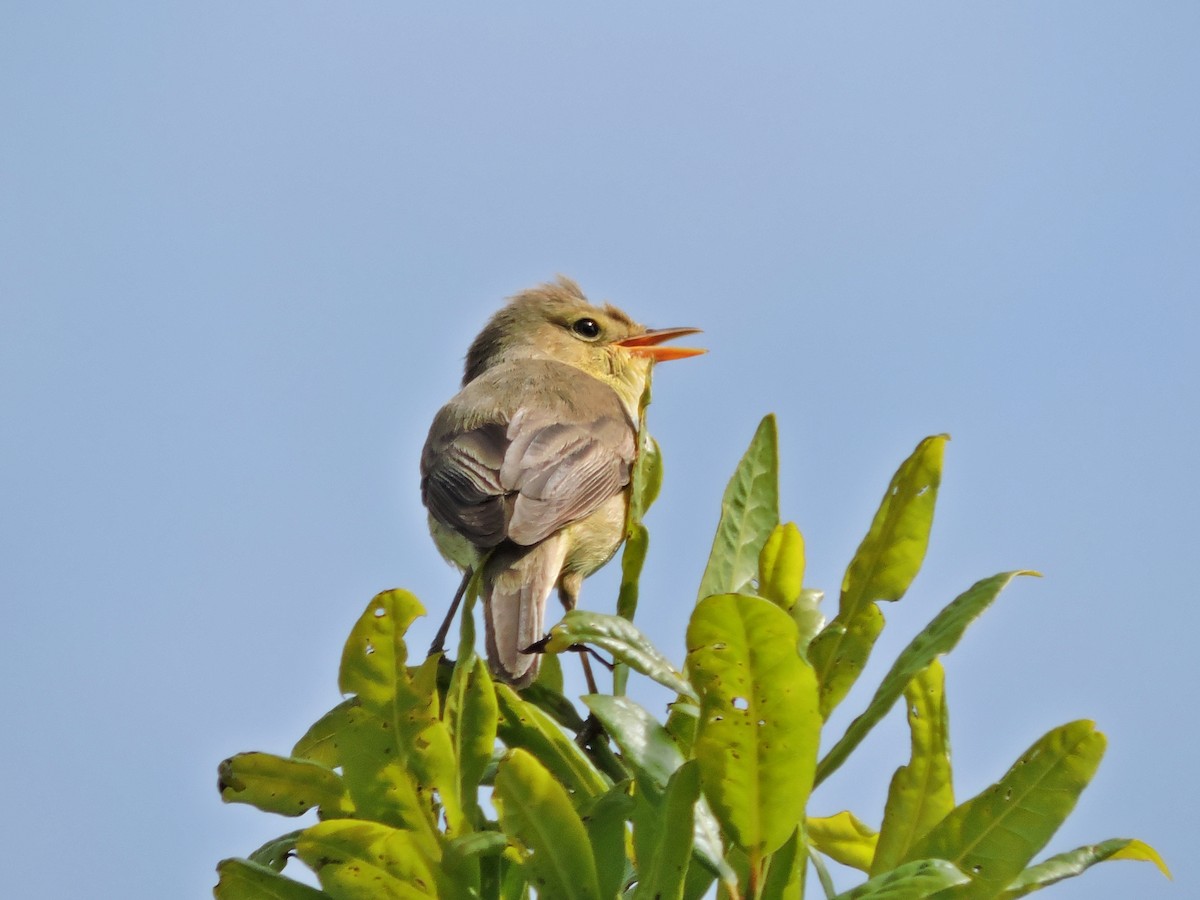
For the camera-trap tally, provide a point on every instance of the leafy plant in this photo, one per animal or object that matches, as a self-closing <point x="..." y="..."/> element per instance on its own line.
<point x="431" y="780"/>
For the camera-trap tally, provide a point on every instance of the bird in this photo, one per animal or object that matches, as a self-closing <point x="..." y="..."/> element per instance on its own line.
<point x="525" y="473"/>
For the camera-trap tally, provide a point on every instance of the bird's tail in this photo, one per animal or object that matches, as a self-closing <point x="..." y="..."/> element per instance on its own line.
<point x="516" y="584"/>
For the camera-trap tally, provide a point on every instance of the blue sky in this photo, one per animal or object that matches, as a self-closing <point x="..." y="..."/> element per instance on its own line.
<point x="243" y="248"/>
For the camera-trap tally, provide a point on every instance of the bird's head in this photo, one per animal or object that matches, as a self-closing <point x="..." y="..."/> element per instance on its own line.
<point x="555" y="321"/>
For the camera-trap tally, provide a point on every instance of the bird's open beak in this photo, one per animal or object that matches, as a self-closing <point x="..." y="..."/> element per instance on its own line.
<point x="648" y="344"/>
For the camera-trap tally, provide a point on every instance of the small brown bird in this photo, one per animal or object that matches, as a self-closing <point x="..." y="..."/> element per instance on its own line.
<point x="526" y="470"/>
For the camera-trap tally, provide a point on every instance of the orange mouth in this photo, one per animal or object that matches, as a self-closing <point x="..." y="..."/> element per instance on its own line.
<point x="648" y="344"/>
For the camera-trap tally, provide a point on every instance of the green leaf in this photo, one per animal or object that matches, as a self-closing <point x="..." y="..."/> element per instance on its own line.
<point x="633" y="558"/>
<point x="471" y="714"/>
<point x="759" y="726"/>
<point x="523" y="725"/>
<point x="550" y="674"/>
<point x="911" y="881"/>
<point x="478" y="843"/>
<point x="994" y="835"/>
<point x="785" y="871"/>
<point x="843" y="838"/>
<point x="535" y="809"/>
<point x="939" y="636"/>
<point x="289" y="787"/>
<point x="922" y="792"/>
<point x="647" y="477"/>
<point x="682" y="718"/>
<point x="885" y="564"/>
<point x="1076" y="862"/>
<point x="551" y="702"/>
<point x="781" y="566"/>
<point x="623" y="640"/>
<point x="374" y="667"/>
<point x="646" y="480"/>
<point x="242" y="879"/>
<point x="275" y="852"/>
<point x="662" y="877"/>
<point x="605" y="821"/>
<point x="749" y="512"/>
<point x="357" y="860"/>
<point x="653" y="756"/>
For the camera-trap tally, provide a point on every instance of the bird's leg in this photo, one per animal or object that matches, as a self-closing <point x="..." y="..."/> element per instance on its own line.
<point x="568" y="593"/>
<point x="439" y="640"/>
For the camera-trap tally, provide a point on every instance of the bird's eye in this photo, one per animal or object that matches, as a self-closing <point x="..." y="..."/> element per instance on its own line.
<point x="586" y="328"/>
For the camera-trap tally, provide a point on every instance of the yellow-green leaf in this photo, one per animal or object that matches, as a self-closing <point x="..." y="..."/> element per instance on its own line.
<point x="781" y="566"/>
<point x="374" y="667"/>
<point x="357" y="860"/>
<point x="1078" y="861"/>
<point x="471" y="714"/>
<point x="320" y="742"/>
<point x="922" y="792"/>
<point x="535" y="809"/>
<point x="994" y="835"/>
<point x="242" y="879"/>
<point x="277" y="784"/>
<point x="883" y="567"/>
<point x="843" y="838"/>
<point x="759" y="724"/>
<point x="938" y="637"/>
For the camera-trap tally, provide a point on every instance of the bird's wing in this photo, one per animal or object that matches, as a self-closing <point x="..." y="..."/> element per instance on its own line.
<point x="526" y="473"/>
<point x="460" y="482"/>
<point x="560" y="471"/>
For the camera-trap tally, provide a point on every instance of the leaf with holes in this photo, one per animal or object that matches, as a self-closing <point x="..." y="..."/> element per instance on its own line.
<point x="883" y="567"/>
<point x="749" y="512"/>
<point x="535" y="810"/>
<point x="374" y="667"/>
<point x="994" y="835"/>
<point x="759" y="724"/>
